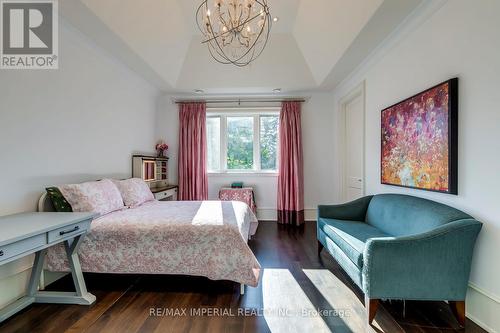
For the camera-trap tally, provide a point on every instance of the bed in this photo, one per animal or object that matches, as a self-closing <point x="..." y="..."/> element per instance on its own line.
<point x="200" y="238"/>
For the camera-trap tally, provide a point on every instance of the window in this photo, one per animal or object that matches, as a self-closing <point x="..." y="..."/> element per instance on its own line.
<point x="242" y="141"/>
<point x="213" y="143"/>
<point x="269" y="142"/>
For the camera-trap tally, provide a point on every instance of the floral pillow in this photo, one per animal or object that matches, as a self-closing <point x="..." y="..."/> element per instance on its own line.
<point x="134" y="191"/>
<point x="100" y="197"/>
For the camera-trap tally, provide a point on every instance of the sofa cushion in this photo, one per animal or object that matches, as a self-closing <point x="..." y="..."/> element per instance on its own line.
<point x="350" y="236"/>
<point x="403" y="215"/>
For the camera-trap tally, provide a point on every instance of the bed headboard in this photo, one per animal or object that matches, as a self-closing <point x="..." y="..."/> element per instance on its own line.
<point x="45" y="204"/>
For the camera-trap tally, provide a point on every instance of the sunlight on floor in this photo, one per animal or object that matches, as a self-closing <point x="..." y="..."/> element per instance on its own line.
<point x="286" y="306"/>
<point x="340" y="297"/>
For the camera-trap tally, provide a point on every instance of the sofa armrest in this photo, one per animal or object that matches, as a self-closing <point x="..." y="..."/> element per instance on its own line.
<point x="354" y="210"/>
<point x="430" y="266"/>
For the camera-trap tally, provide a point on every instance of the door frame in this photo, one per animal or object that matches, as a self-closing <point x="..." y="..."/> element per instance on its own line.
<point x="358" y="91"/>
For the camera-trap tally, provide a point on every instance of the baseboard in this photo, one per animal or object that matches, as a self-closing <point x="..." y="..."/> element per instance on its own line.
<point x="13" y="286"/>
<point x="480" y="323"/>
<point x="270" y="214"/>
<point x="48" y="277"/>
<point x="310" y="214"/>
<point x="266" y="214"/>
<point x="483" y="308"/>
<point x="491" y="296"/>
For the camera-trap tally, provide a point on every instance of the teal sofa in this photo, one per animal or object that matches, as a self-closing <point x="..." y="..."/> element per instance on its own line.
<point x="401" y="247"/>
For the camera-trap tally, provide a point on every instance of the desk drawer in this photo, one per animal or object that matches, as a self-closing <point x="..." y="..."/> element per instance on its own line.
<point x="22" y="246"/>
<point x="168" y="194"/>
<point x="69" y="231"/>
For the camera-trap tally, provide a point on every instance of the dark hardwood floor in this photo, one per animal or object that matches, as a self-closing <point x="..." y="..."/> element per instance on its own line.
<point x="294" y="285"/>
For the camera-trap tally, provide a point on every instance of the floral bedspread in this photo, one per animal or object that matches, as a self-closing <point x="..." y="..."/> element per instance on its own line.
<point x="202" y="238"/>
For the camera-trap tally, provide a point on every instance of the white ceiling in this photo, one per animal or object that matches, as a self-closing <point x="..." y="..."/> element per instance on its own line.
<point x="286" y="10"/>
<point x="313" y="46"/>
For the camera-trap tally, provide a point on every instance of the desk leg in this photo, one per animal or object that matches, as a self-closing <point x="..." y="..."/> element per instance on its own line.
<point x="81" y="295"/>
<point x="74" y="263"/>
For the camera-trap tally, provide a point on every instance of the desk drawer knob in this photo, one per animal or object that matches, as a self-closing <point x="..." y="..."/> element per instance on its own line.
<point x="1" y="253"/>
<point x="69" y="231"/>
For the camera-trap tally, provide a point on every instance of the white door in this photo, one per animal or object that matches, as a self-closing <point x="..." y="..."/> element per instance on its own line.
<point x="353" y="181"/>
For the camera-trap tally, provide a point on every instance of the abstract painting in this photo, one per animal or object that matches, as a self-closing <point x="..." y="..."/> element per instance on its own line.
<point x="419" y="140"/>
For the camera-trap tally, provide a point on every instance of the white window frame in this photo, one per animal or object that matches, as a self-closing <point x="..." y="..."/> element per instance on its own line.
<point x="256" y="113"/>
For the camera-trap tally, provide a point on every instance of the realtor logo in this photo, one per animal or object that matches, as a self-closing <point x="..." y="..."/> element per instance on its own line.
<point x="29" y="38"/>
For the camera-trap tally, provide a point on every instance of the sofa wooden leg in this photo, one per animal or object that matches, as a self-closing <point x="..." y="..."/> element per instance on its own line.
<point x="320" y="247"/>
<point x="458" y="309"/>
<point x="371" y="305"/>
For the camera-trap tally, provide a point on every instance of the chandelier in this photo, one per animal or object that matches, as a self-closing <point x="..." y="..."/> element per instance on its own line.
<point x="235" y="31"/>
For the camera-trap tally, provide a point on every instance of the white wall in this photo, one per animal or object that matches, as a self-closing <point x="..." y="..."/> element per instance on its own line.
<point x="81" y="122"/>
<point x="317" y="132"/>
<point x="270" y="70"/>
<point x="459" y="39"/>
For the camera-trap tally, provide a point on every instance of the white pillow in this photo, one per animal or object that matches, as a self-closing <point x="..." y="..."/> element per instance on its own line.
<point x="134" y="191"/>
<point x="100" y="197"/>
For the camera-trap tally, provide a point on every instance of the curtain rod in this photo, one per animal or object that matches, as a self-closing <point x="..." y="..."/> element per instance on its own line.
<point x="239" y="101"/>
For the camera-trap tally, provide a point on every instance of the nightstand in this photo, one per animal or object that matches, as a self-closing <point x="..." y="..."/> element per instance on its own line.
<point x="245" y="194"/>
<point x="165" y="193"/>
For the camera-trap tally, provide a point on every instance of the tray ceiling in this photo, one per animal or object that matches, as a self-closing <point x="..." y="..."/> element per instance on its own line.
<point x="312" y="46"/>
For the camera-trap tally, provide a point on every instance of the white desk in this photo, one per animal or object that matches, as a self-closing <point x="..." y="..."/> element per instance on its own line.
<point x="28" y="233"/>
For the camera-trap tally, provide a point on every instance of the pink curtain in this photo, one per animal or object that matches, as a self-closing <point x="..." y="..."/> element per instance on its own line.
<point x="291" y="166"/>
<point x="193" y="181"/>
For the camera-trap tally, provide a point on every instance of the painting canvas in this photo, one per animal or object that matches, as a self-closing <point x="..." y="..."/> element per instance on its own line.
<point x="419" y="140"/>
